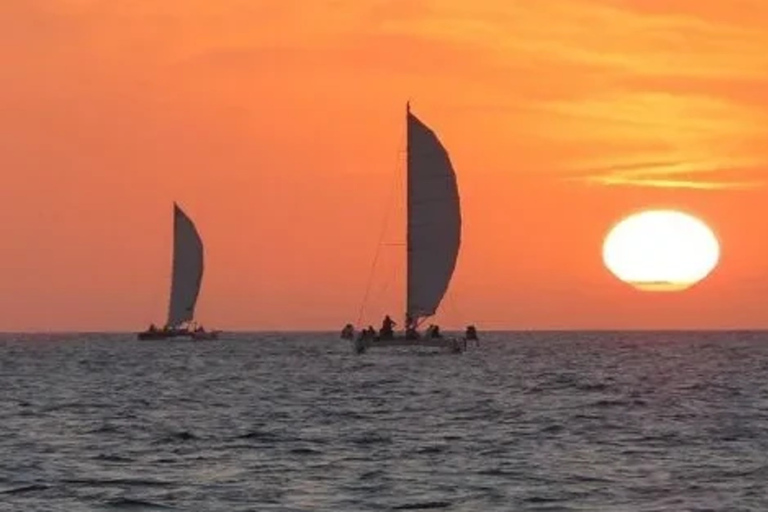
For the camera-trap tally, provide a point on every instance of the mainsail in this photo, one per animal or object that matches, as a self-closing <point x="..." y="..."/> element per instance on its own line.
<point x="434" y="220"/>
<point x="187" y="269"/>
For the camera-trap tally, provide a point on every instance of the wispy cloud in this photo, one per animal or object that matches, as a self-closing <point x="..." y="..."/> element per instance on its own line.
<point x="690" y="175"/>
<point x="588" y="82"/>
<point x="692" y="133"/>
<point x="630" y="80"/>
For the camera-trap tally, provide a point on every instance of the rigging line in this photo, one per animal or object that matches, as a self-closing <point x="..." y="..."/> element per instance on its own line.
<point x="384" y="226"/>
<point x="376" y="255"/>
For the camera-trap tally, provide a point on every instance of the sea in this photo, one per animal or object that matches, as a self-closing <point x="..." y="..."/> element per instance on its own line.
<point x="539" y="421"/>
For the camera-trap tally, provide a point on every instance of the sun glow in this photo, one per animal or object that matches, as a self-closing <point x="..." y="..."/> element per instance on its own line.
<point x="661" y="250"/>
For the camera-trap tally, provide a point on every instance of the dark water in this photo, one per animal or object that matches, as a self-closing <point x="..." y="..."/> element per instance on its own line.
<point x="531" y="421"/>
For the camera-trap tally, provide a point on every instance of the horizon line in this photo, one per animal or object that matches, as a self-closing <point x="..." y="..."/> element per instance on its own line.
<point x="492" y="330"/>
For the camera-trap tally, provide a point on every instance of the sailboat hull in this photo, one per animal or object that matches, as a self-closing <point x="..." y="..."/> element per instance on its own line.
<point x="454" y="345"/>
<point x="181" y="334"/>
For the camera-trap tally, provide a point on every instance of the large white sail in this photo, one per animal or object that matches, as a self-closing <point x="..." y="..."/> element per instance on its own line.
<point x="187" y="269"/>
<point x="434" y="220"/>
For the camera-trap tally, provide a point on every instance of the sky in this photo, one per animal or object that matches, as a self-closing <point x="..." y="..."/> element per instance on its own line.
<point x="279" y="128"/>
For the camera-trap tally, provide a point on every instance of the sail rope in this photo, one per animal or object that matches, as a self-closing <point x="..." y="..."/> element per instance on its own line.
<point x="382" y="234"/>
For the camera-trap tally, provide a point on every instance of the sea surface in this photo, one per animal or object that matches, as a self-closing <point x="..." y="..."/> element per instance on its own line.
<point x="565" y="421"/>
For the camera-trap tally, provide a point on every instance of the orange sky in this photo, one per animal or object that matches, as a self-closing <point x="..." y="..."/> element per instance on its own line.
<point x="280" y="128"/>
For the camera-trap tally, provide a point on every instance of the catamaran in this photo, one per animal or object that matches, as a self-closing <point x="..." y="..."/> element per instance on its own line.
<point x="433" y="239"/>
<point x="186" y="279"/>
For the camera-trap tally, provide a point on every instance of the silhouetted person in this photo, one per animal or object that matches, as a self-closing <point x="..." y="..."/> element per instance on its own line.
<point x="387" y="328"/>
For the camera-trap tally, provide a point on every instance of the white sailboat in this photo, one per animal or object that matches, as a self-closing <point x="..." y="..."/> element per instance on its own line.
<point x="433" y="241"/>
<point x="186" y="279"/>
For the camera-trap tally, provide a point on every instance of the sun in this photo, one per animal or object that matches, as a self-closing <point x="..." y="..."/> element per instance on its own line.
<point x="661" y="250"/>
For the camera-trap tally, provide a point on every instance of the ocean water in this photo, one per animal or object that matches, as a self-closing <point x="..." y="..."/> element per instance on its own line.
<point x="296" y="422"/>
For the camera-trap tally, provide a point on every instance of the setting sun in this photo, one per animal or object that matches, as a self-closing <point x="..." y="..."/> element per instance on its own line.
<point x="661" y="250"/>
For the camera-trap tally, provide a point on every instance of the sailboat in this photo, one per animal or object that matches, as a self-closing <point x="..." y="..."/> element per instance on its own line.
<point x="433" y="240"/>
<point x="186" y="278"/>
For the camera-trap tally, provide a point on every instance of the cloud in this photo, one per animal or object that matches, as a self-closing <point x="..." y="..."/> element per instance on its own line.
<point x="588" y="82"/>
<point x="627" y="79"/>
<point x="673" y="85"/>
<point x="688" y="175"/>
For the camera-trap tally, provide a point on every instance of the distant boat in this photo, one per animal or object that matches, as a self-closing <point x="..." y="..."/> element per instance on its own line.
<point x="433" y="241"/>
<point x="186" y="279"/>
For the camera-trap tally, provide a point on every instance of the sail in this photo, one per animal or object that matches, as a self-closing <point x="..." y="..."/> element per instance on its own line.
<point x="434" y="220"/>
<point x="187" y="268"/>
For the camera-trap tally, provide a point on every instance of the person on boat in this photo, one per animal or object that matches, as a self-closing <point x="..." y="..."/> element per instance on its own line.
<point x="387" y="326"/>
<point x="348" y="331"/>
<point x="152" y="328"/>
<point x="471" y="333"/>
<point x="434" y="331"/>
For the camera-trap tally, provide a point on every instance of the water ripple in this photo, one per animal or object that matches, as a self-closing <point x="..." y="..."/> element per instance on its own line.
<point x="281" y="422"/>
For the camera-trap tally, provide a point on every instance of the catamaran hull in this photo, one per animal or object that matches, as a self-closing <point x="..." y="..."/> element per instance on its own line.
<point x="453" y="345"/>
<point x="181" y="336"/>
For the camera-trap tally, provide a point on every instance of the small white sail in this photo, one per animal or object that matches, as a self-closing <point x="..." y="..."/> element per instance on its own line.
<point x="434" y="220"/>
<point x="187" y="269"/>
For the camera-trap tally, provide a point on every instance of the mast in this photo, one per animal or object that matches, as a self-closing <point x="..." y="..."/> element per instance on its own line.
<point x="408" y="209"/>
